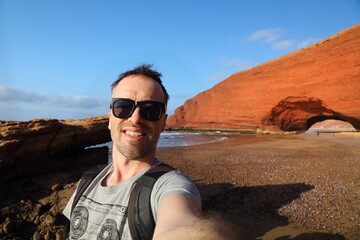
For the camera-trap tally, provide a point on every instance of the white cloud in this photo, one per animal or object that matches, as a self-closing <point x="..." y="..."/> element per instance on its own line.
<point x="238" y="64"/>
<point x="219" y="76"/>
<point x="232" y="65"/>
<point x="8" y="94"/>
<point x="283" y="45"/>
<point x="273" y="36"/>
<point x="13" y="94"/>
<point x="266" y="35"/>
<point x="306" y="42"/>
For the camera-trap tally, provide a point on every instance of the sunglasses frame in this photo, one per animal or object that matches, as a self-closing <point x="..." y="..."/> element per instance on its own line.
<point x="136" y="104"/>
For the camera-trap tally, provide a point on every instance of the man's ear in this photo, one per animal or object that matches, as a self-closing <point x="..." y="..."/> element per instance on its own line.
<point x="109" y="115"/>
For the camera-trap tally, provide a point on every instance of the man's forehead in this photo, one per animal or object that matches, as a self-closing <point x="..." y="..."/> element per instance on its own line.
<point x="138" y="86"/>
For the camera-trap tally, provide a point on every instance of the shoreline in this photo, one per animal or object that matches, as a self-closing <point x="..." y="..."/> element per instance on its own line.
<point x="269" y="186"/>
<point x="279" y="185"/>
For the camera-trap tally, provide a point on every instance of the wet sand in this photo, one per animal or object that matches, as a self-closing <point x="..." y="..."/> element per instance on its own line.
<point x="279" y="187"/>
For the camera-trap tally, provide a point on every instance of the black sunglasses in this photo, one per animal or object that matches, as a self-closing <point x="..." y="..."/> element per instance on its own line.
<point x="124" y="108"/>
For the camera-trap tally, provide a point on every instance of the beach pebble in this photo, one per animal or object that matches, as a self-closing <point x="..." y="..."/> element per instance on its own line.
<point x="49" y="219"/>
<point x="49" y="236"/>
<point x="56" y="187"/>
<point x="60" y="219"/>
<point x="9" y="227"/>
<point x="36" y="236"/>
<point x="37" y="220"/>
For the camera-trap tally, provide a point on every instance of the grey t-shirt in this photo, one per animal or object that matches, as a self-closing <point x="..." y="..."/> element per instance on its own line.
<point x="101" y="212"/>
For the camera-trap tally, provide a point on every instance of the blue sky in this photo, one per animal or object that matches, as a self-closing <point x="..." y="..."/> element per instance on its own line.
<point x="58" y="58"/>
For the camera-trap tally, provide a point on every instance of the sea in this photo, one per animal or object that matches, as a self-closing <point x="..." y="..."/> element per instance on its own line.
<point x="189" y="138"/>
<point x="183" y="138"/>
<point x="178" y="139"/>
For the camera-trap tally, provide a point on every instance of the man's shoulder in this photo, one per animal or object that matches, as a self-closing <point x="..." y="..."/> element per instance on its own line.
<point x="174" y="178"/>
<point x="175" y="182"/>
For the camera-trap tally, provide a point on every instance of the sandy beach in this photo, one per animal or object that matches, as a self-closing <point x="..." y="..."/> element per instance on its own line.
<point x="285" y="186"/>
<point x="268" y="186"/>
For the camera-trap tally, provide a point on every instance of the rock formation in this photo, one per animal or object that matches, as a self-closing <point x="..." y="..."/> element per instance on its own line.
<point x="41" y="145"/>
<point x="290" y="113"/>
<point x="290" y="93"/>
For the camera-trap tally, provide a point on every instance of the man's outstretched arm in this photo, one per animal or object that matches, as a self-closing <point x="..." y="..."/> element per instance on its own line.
<point x="179" y="218"/>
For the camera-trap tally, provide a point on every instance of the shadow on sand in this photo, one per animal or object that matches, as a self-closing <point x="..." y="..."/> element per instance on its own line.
<point x="255" y="208"/>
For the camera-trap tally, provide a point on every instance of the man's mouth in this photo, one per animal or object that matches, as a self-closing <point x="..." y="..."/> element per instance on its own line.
<point x="134" y="134"/>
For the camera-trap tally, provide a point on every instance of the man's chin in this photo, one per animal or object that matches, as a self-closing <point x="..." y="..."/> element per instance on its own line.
<point x="133" y="153"/>
<point x="133" y="150"/>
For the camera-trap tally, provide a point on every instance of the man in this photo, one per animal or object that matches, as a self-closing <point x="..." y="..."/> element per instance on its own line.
<point x="136" y="119"/>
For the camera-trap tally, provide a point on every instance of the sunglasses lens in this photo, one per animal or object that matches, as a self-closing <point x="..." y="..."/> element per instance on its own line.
<point x="123" y="108"/>
<point x="151" y="111"/>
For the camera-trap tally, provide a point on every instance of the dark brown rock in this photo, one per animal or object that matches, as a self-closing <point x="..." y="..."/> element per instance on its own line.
<point x="36" y="236"/>
<point x="60" y="219"/>
<point x="56" y="187"/>
<point x="49" y="236"/>
<point x="322" y="81"/>
<point x="9" y="227"/>
<point x="49" y="219"/>
<point x="42" y="145"/>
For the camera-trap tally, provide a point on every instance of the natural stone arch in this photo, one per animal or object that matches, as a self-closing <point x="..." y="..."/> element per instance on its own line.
<point x="312" y="121"/>
<point x="331" y="125"/>
<point x="299" y="113"/>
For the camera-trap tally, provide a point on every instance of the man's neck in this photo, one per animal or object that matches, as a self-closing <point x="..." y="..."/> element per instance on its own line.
<point x="125" y="169"/>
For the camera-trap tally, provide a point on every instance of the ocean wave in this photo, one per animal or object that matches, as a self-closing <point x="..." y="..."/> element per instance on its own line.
<point x="181" y="139"/>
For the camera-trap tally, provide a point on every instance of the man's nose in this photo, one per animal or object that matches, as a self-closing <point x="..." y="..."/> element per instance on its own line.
<point x="136" y="116"/>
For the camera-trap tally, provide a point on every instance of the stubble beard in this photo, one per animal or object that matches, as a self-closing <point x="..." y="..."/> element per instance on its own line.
<point x="138" y="150"/>
<point x="134" y="151"/>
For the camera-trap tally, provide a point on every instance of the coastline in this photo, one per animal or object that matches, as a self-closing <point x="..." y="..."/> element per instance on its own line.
<point x="270" y="186"/>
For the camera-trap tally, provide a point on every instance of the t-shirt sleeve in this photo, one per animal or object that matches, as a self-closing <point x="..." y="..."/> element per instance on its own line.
<point x="173" y="182"/>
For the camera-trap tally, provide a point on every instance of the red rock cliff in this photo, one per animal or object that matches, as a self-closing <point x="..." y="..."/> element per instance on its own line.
<point x="290" y="93"/>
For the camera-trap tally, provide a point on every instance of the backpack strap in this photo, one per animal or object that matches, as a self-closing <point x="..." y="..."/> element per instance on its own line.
<point x="140" y="218"/>
<point x="85" y="181"/>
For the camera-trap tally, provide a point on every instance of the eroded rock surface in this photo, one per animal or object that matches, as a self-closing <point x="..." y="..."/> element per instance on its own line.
<point x="328" y="71"/>
<point x="41" y="145"/>
<point x="300" y="113"/>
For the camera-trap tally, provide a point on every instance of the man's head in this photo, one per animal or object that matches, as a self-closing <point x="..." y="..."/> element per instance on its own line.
<point x="145" y="70"/>
<point x="137" y="115"/>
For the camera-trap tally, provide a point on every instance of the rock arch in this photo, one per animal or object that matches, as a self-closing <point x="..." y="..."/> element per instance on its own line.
<point x="299" y="113"/>
<point x="312" y="121"/>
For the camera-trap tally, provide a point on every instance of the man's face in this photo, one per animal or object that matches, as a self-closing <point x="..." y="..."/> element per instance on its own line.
<point x="135" y="137"/>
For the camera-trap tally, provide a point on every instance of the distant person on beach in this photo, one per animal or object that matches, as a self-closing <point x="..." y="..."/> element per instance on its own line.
<point x="137" y="116"/>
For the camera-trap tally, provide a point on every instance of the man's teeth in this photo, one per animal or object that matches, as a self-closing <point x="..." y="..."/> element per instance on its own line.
<point x="133" y="134"/>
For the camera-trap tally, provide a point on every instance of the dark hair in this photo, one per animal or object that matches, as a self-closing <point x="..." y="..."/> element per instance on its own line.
<point x="146" y="70"/>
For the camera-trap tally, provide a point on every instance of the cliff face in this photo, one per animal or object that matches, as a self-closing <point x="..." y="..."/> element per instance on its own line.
<point x="44" y="145"/>
<point x="290" y="93"/>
